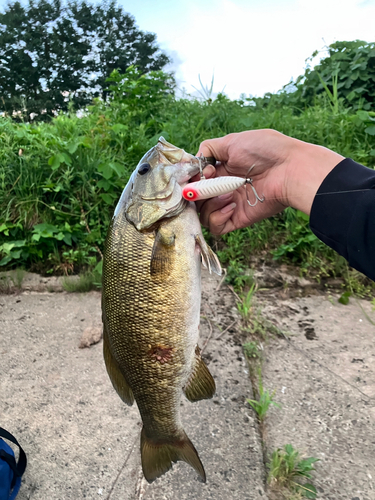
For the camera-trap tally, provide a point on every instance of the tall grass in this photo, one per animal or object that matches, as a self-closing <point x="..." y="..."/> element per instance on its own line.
<point x="60" y="181"/>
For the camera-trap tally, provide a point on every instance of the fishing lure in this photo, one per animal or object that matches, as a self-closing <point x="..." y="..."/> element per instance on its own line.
<point x="209" y="188"/>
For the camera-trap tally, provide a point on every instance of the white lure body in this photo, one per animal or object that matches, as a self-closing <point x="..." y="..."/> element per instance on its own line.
<point x="209" y="188"/>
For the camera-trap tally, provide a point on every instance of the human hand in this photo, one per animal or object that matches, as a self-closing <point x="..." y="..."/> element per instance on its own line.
<point x="285" y="171"/>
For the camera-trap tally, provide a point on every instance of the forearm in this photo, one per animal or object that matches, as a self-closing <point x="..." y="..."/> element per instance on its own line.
<point x="343" y="214"/>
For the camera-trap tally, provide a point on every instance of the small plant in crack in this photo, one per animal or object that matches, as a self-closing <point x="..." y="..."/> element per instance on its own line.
<point x="286" y="471"/>
<point x="265" y="400"/>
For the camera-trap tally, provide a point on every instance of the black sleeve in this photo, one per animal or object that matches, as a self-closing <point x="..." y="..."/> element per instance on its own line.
<point x="343" y="214"/>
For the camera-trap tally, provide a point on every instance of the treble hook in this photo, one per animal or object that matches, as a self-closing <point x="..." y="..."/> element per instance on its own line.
<point x="250" y="181"/>
<point x="257" y="198"/>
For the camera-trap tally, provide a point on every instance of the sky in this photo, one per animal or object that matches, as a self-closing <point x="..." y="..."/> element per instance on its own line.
<point x="248" y="46"/>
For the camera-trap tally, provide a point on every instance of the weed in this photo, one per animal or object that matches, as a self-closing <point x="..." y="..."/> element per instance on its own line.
<point x="252" y="350"/>
<point x="287" y="469"/>
<point x="261" y="406"/>
<point x="5" y="284"/>
<point x="373" y="304"/>
<point x="81" y="284"/>
<point x="17" y="277"/>
<point x="245" y="307"/>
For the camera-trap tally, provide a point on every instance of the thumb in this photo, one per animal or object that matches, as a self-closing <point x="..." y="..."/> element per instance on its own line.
<point x="218" y="148"/>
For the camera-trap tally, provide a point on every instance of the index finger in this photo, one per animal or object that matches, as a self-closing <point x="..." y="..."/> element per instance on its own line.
<point x="218" y="148"/>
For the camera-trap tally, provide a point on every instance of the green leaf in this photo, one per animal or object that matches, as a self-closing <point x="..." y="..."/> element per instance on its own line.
<point x="72" y="146"/>
<point x="248" y="121"/>
<point x="370" y="130"/>
<point x="44" y="230"/>
<point x="119" y="128"/>
<point x="56" y="160"/>
<point x="344" y="299"/>
<point x="103" y="184"/>
<point x="4" y="229"/>
<point x="119" y="169"/>
<point x="67" y="239"/>
<point x="5" y="260"/>
<point x="66" y="159"/>
<point x="99" y="267"/>
<point x="8" y="246"/>
<point x="309" y="491"/>
<point x="363" y="115"/>
<point x="107" y="198"/>
<point x="106" y="170"/>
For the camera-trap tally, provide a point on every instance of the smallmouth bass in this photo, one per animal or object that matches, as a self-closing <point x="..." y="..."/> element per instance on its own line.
<point x="151" y="304"/>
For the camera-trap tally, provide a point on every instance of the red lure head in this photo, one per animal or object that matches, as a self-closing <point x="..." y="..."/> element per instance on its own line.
<point x="189" y="193"/>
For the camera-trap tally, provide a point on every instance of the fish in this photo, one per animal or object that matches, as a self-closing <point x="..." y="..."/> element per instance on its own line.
<point x="151" y="304"/>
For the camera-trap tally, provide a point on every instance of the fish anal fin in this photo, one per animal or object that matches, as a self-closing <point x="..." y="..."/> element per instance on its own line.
<point x="114" y="372"/>
<point x="158" y="455"/>
<point x="200" y="385"/>
<point x="162" y="257"/>
<point x="209" y="258"/>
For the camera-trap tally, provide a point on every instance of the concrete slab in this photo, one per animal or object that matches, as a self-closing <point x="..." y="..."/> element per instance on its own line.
<point x="324" y="378"/>
<point x="82" y="442"/>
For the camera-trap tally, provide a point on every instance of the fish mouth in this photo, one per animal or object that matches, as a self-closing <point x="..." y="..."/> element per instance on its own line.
<point x="181" y="178"/>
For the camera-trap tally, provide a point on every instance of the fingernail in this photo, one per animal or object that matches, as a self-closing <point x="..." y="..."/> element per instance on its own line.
<point x="209" y="170"/>
<point x="226" y="196"/>
<point x="228" y="208"/>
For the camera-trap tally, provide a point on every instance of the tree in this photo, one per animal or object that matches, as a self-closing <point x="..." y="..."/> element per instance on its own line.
<point x="348" y="72"/>
<point x="51" y="53"/>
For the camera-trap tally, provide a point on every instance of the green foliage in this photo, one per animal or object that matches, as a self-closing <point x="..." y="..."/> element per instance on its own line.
<point x="81" y="284"/>
<point x="245" y="306"/>
<point x="264" y="401"/>
<point x="287" y="469"/>
<point x="252" y="350"/>
<point x="347" y="73"/>
<point x="53" y="54"/>
<point x="344" y="298"/>
<point x="60" y="181"/>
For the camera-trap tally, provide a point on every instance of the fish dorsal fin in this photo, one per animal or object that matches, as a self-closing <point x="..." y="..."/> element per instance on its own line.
<point x="200" y="385"/>
<point x="209" y="258"/>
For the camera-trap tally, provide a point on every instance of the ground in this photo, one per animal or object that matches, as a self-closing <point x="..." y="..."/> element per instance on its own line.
<point x="83" y="442"/>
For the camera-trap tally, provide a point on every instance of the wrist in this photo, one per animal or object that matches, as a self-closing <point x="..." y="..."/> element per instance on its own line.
<point x="306" y="168"/>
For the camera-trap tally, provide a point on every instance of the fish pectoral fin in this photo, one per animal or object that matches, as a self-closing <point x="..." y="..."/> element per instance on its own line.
<point x="115" y="374"/>
<point x="209" y="258"/>
<point x="200" y="385"/>
<point x="162" y="257"/>
<point x="157" y="456"/>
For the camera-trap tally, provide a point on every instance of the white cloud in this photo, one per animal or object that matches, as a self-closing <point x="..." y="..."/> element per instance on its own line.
<point x="255" y="46"/>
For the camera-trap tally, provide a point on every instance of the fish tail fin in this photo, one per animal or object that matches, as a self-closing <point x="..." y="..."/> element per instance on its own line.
<point x="157" y="456"/>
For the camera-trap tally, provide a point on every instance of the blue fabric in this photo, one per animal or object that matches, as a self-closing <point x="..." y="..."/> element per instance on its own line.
<point x="7" y="474"/>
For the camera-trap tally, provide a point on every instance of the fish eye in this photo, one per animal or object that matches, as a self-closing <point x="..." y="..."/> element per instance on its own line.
<point x="144" y="168"/>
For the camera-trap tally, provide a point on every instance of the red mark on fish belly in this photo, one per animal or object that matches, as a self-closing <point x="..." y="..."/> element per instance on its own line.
<point x="161" y="353"/>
